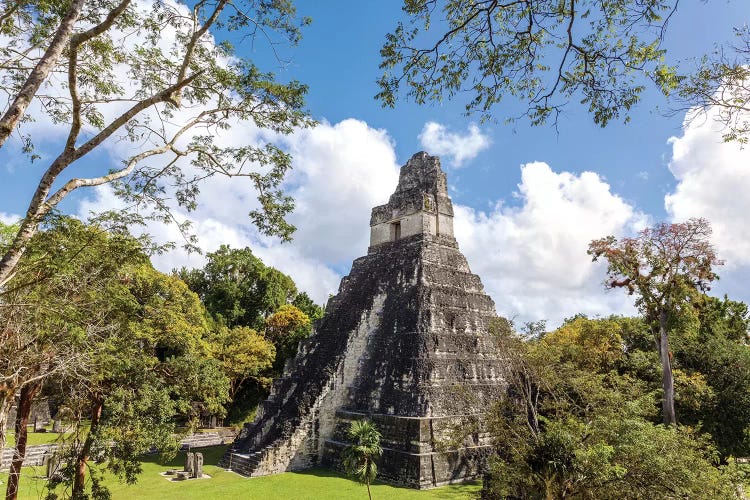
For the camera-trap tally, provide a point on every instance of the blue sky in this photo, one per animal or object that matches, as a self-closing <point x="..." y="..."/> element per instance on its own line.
<point x="516" y="225"/>
<point x="339" y="59"/>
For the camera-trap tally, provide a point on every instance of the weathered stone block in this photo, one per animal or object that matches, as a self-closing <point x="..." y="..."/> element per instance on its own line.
<point x="189" y="463"/>
<point x="52" y="465"/>
<point x="197" y="471"/>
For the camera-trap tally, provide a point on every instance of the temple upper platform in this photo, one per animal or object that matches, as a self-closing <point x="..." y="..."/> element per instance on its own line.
<point x="420" y="204"/>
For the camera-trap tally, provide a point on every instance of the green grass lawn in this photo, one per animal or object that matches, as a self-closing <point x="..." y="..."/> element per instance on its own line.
<point x="311" y="484"/>
<point x="35" y="438"/>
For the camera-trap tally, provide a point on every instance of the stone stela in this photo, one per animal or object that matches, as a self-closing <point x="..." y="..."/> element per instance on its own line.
<point x="193" y="465"/>
<point x="404" y="343"/>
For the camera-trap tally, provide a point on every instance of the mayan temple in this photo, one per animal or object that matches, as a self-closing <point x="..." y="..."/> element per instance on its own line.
<point x="404" y="343"/>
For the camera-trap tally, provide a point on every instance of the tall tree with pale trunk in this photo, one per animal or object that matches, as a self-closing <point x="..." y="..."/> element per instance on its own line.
<point x="664" y="266"/>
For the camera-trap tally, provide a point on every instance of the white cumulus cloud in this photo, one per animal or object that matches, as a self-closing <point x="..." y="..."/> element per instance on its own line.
<point x="713" y="182"/>
<point x="9" y="218"/>
<point x="340" y="172"/>
<point x="532" y="258"/>
<point x="436" y="139"/>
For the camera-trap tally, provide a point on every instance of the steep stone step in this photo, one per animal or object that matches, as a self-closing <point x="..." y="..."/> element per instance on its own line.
<point x="34" y="455"/>
<point x="246" y="464"/>
<point x="240" y="463"/>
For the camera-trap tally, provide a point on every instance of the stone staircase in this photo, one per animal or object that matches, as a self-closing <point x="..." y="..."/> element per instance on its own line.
<point x="34" y="455"/>
<point x="241" y="463"/>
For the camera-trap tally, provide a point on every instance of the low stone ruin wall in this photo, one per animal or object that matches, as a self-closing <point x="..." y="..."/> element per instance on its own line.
<point x="35" y="454"/>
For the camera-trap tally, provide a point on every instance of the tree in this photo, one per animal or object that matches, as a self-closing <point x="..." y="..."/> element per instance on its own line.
<point x="304" y="303"/>
<point x="127" y="345"/>
<point x="595" y="345"/>
<point x="286" y="327"/>
<point x="52" y="303"/>
<point x="154" y="76"/>
<point x="549" y="52"/>
<point x="250" y="300"/>
<point x="711" y="364"/>
<point x="716" y="352"/>
<point x="238" y="289"/>
<point x="543" y="52"/>
<point x="243" y="353"/>
<point x="719" y="88"/>
<point x="26" y="398"/>
<point x="360" y="457"/>
<point x="664" y="267"/>
<point x="571" y="425"/>
<point x="149" y="368"/>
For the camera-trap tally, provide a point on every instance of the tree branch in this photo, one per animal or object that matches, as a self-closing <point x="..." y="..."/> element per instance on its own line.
<point x="37" y="76"/>
<point x="39" y="205"/>
<point x="76" y="41"/>
<point x="177" y="97"/>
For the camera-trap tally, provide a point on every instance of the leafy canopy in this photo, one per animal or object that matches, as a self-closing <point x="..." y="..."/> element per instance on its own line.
<point x="124" y="347"/>
<point x="243" y="353"/>
<point x="573" y="425"/>
<point x="662" y="265"/>
<point x="238" y="289"/>
<point x="719" y="88"/>
<point x="542" y="52"/>
<point x="665" y="267"/>
<point x="286" y="327"/>
<point x="714" y="352"/>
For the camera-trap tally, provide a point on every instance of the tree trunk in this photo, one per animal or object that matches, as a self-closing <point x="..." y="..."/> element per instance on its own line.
<point x="28" y="392"/>
<point x="43" y="68"/>
<point x="5" y="404"/>
<point x="667" y="379"/>
<point x="13" y="254"/>
<point x="79" y="481"/>
<point x="548" y="492"/>
<point x="368" y="490"/>
<point x="234" y="388"/>
<point x="38" y="208"/>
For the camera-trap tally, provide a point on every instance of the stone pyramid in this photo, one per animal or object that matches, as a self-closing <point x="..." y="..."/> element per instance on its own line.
<point x="404" y="343"/>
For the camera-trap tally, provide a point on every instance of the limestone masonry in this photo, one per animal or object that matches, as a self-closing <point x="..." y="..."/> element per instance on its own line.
<point x="405" y="343"/>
